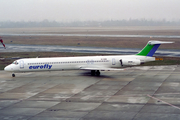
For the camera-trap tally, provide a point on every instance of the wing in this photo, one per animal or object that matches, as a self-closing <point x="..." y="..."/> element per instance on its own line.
<point x="99" y="68"/>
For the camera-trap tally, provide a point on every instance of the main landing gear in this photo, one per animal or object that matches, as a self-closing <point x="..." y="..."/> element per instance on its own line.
<point x="95" y="72"/>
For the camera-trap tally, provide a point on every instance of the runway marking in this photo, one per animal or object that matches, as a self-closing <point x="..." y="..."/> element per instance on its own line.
<point x="164" y="102"/>
<point x="106" y="96"/>
<point x="168" y="94"/>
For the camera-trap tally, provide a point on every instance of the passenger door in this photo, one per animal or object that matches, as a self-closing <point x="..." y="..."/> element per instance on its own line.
<point x="21" y="63"/>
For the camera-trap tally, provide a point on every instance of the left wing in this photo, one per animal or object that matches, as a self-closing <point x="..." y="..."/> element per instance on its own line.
<point x="98" y="68"/>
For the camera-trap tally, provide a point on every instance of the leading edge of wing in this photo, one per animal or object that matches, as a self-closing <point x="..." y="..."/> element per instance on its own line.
<point x="102" y="69"/>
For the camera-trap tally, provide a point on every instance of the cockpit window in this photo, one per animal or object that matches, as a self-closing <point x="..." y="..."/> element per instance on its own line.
<point x="15" y="62"/>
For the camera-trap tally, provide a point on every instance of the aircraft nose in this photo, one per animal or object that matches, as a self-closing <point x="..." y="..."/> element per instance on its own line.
<point x="8" y="68"/>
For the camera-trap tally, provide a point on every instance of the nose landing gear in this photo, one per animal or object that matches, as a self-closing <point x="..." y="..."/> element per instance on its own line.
<point x="13" y="75"/>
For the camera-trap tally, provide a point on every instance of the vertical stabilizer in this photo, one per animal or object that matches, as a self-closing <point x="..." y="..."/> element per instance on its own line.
<point x="151" y="48"/>
<point x="2" y="42"/>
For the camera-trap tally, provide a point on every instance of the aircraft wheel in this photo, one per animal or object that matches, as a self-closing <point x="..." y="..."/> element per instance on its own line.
<point x="92" y="72"/>
<point x="13" y="75"/>
<point x="98" y="73"/>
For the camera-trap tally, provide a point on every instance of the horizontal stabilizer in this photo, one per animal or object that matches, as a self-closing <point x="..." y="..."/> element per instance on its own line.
<point x="158" y="42"/>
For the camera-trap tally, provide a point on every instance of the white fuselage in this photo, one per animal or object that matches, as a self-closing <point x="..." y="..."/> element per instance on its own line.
<point x="76" y="63"/>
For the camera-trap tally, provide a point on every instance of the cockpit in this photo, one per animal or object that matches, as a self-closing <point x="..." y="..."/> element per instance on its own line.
<point x="14" y="67"/>
<point x="15" y="62"/>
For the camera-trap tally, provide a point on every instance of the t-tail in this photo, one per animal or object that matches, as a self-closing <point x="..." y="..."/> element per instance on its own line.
<point x="2" y="42"/>
<point x="151" y="48"/>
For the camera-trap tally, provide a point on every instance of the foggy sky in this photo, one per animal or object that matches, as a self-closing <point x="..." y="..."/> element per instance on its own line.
<point x="82" y="10"/>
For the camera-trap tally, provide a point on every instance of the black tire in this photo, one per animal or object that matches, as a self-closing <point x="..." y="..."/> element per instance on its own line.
<point x="98" y="73"/>
<point x="92" y="72"/>
<point x="13" y="75"/>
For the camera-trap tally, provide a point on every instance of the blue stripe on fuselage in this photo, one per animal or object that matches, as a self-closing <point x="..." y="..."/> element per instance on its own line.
<point x="153" y="50"/>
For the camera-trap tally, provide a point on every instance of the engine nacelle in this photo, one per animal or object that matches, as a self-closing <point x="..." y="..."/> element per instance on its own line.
<point x="129" y="62"/>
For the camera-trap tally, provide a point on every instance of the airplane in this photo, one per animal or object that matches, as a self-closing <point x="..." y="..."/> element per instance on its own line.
<point x="2" y="43"/>
<point x="95" y="64"/>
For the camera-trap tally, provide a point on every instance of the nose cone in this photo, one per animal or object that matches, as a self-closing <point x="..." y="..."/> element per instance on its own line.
<point x="8" y="68"/>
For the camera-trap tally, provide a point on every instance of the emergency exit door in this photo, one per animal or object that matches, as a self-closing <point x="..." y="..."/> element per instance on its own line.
<point x="113" y="61"/>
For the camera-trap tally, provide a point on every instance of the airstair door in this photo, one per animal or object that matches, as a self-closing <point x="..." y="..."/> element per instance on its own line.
<point x="21" y="64"/>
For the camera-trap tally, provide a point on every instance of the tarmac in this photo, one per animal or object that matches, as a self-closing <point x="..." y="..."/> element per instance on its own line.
<point x="137" y="93"/>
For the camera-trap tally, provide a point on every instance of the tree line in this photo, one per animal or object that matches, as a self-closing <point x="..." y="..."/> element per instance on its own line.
<point x="106" y="23"/>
